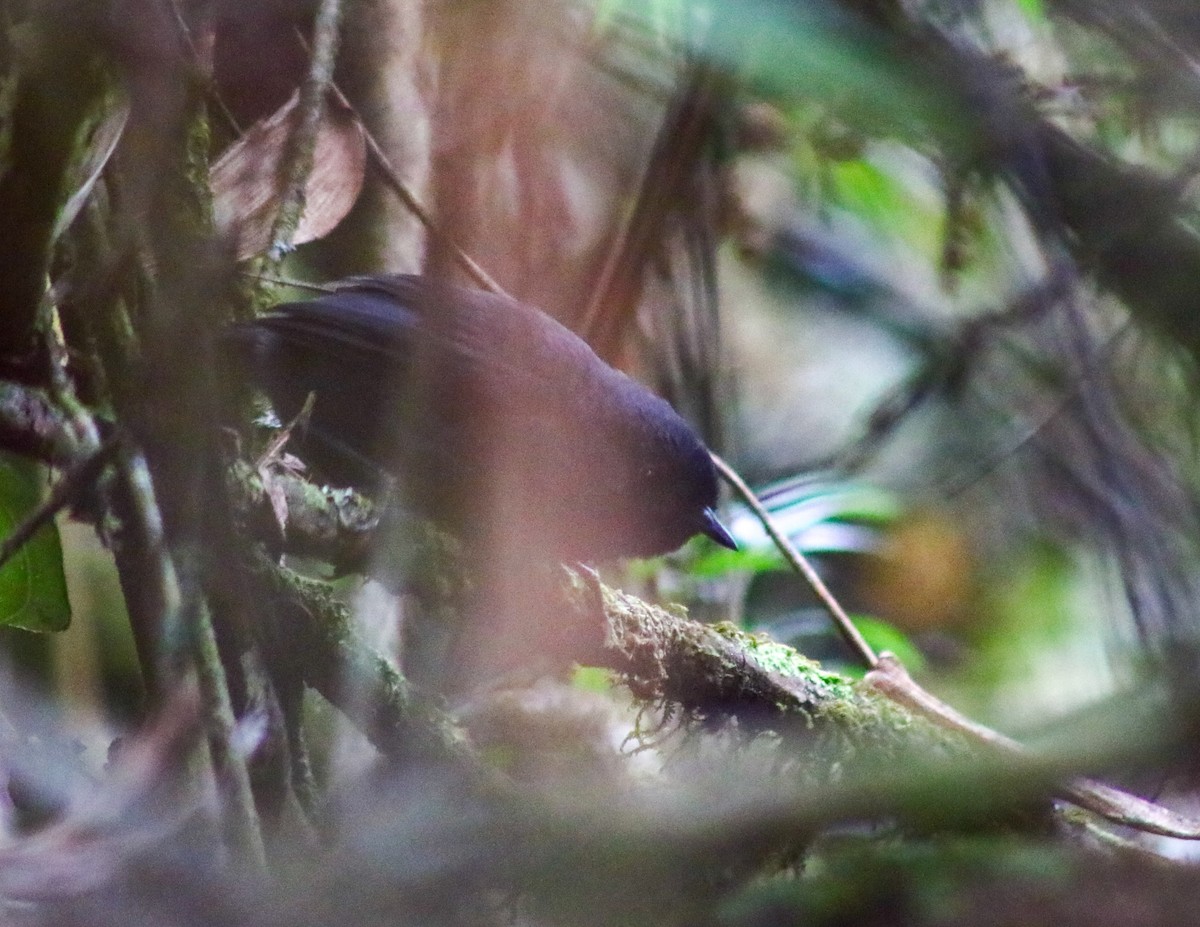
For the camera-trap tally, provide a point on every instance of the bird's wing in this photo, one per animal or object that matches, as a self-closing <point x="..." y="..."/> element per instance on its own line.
<point x="365" y="328"/>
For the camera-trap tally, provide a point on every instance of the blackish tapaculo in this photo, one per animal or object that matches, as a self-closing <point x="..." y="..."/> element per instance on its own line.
<point x="484" y="408"/>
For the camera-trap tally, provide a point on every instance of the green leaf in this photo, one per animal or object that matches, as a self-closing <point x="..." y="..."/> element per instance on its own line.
<point x="715" y="561"/>
<point x="33" y="588"/>
<point x="592" y="679"/>
<point x="884" y="636"/>
<point x="888" y="203"/>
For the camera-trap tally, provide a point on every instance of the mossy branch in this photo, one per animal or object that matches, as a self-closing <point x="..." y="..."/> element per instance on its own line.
<point x="321" y="641"/>
<point x="719" y="674"/>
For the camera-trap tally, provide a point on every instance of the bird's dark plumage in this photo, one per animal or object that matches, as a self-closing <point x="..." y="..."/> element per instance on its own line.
<point x="479" y="400"/>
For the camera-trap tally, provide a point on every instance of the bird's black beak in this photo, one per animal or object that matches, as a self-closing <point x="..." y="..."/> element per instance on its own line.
<point x="717" y="531"/>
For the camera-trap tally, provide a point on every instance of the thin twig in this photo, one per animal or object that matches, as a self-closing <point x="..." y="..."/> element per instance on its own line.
<point x="64" y="492"/>
<point x="889" y="677"/>
<point x="800" y="563"/>
<point x="276" y="444"/>
<point x="61" y="385"/>
<point x="397" y="185"/>
<point x="300" y="771"/>
<point x="147" y="574"/>
<point x="197" y="60"/>
<point x="276" y="280"/>
<point x="240" y="816"/>
<point x="302" y="142"/>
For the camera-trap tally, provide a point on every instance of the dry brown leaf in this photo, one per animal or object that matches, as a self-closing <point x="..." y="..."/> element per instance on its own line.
<point x="246" y="178"/>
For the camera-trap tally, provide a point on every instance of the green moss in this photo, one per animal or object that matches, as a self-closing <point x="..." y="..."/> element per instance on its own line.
<point x="715" y="674"/>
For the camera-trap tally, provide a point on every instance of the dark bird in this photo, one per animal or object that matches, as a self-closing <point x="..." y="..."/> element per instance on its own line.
<point x="486" y="409"/>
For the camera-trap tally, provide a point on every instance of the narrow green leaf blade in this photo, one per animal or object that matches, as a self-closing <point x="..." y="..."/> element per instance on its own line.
<point x="33" y="587"/>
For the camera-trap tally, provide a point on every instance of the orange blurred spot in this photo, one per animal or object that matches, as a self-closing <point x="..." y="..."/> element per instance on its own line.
<point x="924" y="575"/>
